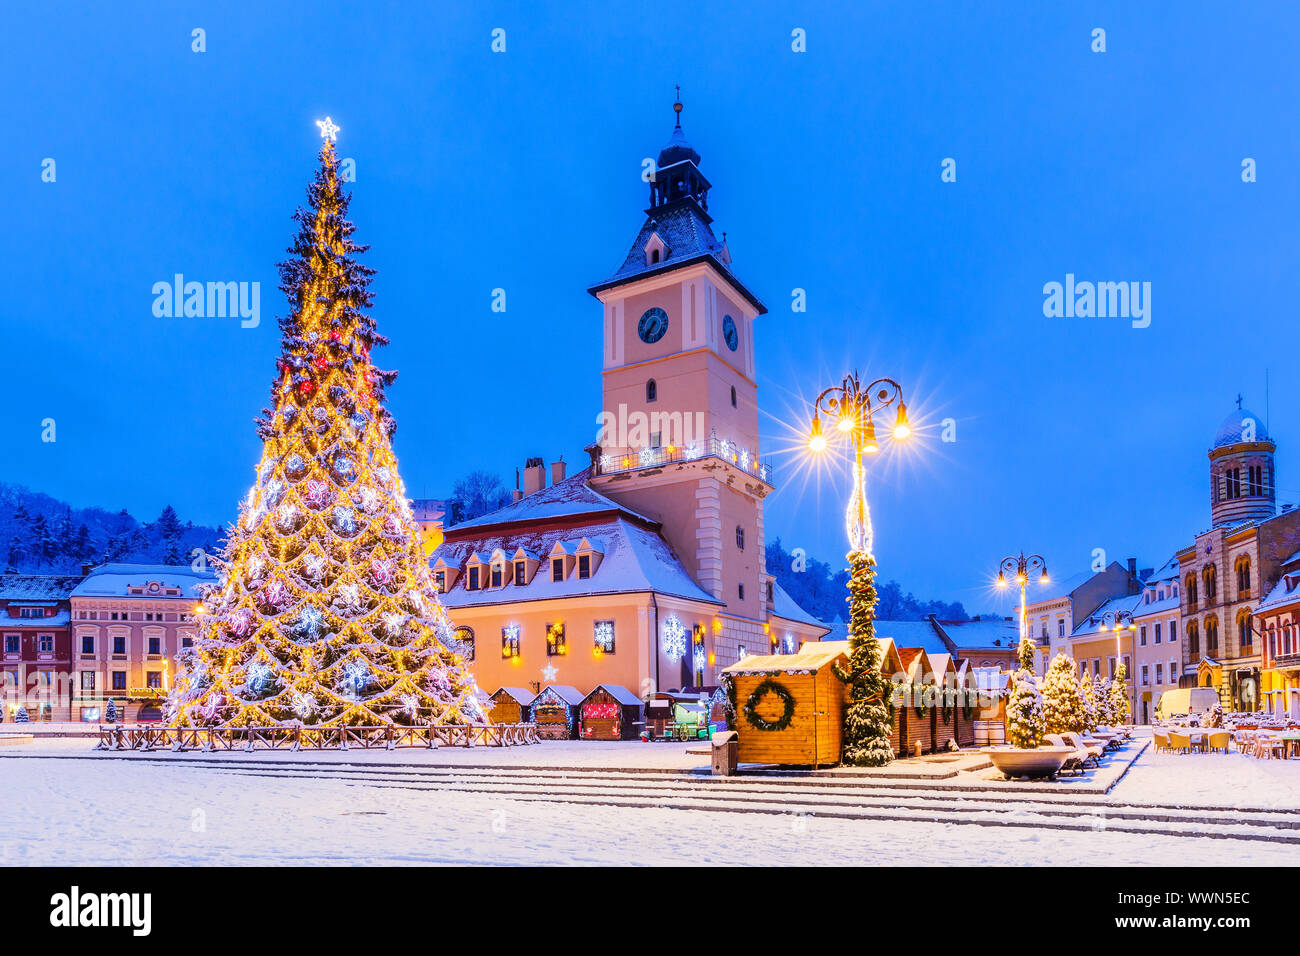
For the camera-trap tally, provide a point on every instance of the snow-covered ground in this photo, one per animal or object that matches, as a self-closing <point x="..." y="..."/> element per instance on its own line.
<point x="106" y="810"/>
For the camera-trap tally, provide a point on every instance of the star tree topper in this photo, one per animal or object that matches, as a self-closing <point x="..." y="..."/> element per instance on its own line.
<point x="328" y="130"/>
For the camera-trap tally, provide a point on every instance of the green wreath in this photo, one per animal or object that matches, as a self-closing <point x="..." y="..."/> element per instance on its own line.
<point x="767" y="686"/>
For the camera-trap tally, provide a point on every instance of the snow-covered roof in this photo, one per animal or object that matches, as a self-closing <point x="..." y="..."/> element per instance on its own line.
<point x="565" y="692"/>
<point x="520" y="694"/>
<point x="116" y="580"/>
<point x="1286" y="591"/>
<point x="59" y="619"/>
<point x="570" y="497"/>
<point x="981" y="635"/>
<point x="912" y="634"/>
<point x="812" y="657"/>
<point x="1092" y="623"/>
<point x="784" y="606"/>
<point x="37" y="587"/>
<point x="620" y="694"/>
<point x="636" y="559"/>
<point x="689" y="238"/>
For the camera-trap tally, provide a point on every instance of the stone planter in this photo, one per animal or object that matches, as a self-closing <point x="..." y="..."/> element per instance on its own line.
<point x="1039" y="762"/>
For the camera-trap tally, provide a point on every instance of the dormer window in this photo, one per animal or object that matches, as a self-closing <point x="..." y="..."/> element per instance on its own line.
<point x="584" y="566"/>
<point x="498" y="575"/>
<point x="440" y="579"/>
<point x="557" y="569"/>
<point x="656" y="250"/>
<point x="521" y="573"/>
<point x="472" y="583"/>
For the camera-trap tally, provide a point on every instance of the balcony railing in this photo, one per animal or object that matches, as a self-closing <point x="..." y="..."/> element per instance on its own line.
<point x="728" y="451"/>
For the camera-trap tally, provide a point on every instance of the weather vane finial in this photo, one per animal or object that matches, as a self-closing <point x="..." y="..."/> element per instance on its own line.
<point x="677" y="106"/>
<point x="328" y="130"/>
<point x="1239" y="400"/>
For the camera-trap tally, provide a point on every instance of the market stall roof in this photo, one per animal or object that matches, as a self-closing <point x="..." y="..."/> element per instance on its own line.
<point x="520" y="694"/>
<point x="619" y="693"/>
<point x="570" y="695"/>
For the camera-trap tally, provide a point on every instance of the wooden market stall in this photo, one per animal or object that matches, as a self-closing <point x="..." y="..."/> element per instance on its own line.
<point x="555" y="711"/>
<point x="913" y="713"/>
<point x="946" y="714"/>
<point x="790" y="707"/>
<point x="509" y="705"/>
<point x="610" y="712"/>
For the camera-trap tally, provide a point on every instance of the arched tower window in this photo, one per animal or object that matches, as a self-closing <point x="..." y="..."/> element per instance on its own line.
<point x="1193" y="639"/>
<point x="1243" y="577"/>
<point x="1211" y="636"/>
<point x="651" y="391"/>
<point x="1244" y="636"/>
<point x="1189" y="586"/>
<point x="1211" y="579"/>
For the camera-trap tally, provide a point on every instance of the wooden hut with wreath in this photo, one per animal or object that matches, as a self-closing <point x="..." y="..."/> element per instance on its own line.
<point x="610" y="712"/>
<point x="946" y="714"/>
<point x="556" y="712"/>
<point x="790" y="707"/>
<point x="509" y="705"/>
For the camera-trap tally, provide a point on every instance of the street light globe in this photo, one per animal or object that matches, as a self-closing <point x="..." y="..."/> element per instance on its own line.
<point x="1043" y="578"/>
<point x="1002" y="581"/>
<point x="901" y="428"/>
<point x="817" y="443"/>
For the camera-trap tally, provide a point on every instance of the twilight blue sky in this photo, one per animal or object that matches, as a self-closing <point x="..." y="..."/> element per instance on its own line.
<point x="521" y="170"/>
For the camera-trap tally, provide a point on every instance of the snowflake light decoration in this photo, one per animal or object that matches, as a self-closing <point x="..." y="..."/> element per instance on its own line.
<point x="241" y="621"/>
<point x="382" y="569"/>
<point x="410" y="705"/>
<point x="345" y="519"/>
<point x="605" y="462"/>
<point x="701" y="659"/>
<point x="356" y="675"/>
<point x="647" y="455"/>
<point x="310" y="620"/>
<point x="393" y="621"/>
<point x="285" y="515"/>
<point x="350" y="596"/>
<point x="304" y="704"/>
<point x="315" y="565"/>
<point x="674" y="640"/>
<point x="368" y="498"/>
<point x="258" y="674"/>
<point x="317" y="494"/>
<point x="277" y="595"/>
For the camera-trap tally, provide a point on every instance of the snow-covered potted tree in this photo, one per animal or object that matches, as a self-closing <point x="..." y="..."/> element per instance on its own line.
<point x="21" y="717"/>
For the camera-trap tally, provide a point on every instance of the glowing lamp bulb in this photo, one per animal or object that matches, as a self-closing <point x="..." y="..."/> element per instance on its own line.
<point x="816" y="441"/>
<point x="1002" y="581"/>
<point x="869" y="446"/>
<point x="1043" y="579"/>
<point x="901" y="428"/>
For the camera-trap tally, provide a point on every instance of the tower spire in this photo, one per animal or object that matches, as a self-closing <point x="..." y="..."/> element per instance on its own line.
<point x="677" y="107"/>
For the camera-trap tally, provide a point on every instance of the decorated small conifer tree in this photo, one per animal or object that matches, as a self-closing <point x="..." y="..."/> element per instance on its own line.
<point x="1105" y="701"/>
<point x="867" y="722"/>
<point x="1088" y="691"/>
<point x="324" y="612"/>
<point x="1025" y="701"/>
<point x="110" y="711"/>
<point x="21" y="716"/>
<point x="1062" y="697"/>
<point x="1119" y="696"/>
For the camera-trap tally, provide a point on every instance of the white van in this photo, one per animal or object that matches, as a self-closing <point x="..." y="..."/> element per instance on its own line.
<point x="1186" y="700"/>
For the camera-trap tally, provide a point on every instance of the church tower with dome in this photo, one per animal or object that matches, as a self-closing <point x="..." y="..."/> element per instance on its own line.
<point x="1231" y="565"/>
<point x="1241" y="470"/>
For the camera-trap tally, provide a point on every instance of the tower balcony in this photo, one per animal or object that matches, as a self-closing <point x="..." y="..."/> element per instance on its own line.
<point x="611" y="463"/>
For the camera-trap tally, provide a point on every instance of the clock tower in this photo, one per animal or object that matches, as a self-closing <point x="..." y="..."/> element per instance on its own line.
<point x="678" y="435"/>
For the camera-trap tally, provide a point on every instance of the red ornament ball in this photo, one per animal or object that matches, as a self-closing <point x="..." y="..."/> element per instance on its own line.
<point x="307" y="387"/>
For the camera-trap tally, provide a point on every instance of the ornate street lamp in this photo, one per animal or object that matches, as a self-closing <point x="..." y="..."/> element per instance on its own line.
<point x="867" y="720"/>
<point x="1022" y="566"/>
<point x="1121" y="622"/>
<point x="852" y="407"/>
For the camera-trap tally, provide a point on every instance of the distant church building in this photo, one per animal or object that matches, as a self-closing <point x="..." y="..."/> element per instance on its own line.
<point x="646" y="569"/>
<point x="1232" y="565"/>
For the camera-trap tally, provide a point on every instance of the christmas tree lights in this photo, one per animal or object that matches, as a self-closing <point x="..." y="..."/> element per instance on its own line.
<point x="325" y="612"/>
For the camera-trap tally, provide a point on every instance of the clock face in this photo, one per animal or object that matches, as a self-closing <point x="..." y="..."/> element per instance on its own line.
<point x="729" y="333"/>
<point x="653" y="325"/>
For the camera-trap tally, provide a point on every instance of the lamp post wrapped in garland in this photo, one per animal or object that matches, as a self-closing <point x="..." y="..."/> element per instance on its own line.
<point x="867" y="721"/>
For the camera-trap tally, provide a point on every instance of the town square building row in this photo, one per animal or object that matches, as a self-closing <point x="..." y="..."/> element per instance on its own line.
<point x="1219" y="613"/>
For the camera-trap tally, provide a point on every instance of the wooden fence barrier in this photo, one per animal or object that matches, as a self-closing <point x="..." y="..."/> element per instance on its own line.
<point x="148" y="737"/>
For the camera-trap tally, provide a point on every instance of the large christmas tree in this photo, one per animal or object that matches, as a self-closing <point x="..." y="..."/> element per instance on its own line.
<point x="324" y="612"/>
